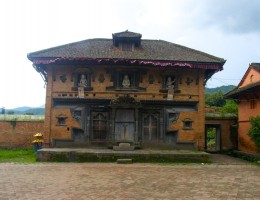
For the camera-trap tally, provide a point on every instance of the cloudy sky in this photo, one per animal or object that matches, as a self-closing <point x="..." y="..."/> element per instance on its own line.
<point x="228" y="29"/>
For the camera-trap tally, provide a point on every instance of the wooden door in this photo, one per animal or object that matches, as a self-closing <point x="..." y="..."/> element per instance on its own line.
<point x="124" y="125"/>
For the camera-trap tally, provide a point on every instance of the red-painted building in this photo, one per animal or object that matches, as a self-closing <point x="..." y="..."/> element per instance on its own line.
<point x="248" y="95"/>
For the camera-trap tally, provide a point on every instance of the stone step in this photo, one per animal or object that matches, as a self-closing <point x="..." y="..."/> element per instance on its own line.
<point x="124" y="161"/>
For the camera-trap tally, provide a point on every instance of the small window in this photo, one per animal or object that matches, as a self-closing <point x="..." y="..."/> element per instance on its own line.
<point x="252" y="104"/>
<point x="61" y="120"/>
<point x="251" y="78"/>
<point x="187" y="124"/>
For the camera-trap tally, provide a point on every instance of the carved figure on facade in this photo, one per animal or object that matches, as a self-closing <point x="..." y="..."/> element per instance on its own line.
<point x="172" y="117"/>
<point x="126" y="82"/>
<point x="83" y="82"/>
<point x="76" y="115"/>
<point x="170" y="83"/>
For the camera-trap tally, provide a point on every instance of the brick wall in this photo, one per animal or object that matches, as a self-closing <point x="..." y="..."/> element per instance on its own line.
<point x="191" y="85"/>
<point x="17" y="134"/>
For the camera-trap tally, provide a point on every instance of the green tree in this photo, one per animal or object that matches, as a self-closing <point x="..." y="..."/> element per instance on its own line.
<point x="230" y="107"/>
<point x="215" y="99"/>
<point x="254" y="131"/>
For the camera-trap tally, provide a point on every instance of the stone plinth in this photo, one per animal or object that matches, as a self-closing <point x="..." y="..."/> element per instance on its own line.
<point x="123" y="147"/>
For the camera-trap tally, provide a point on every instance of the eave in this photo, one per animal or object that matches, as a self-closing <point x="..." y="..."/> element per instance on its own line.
<point x="157" y="63"/>
<point x="251" y="88"/>
<point x="211" y="68"/>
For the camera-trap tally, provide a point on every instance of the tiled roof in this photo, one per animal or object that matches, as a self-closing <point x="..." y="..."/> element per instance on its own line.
<point x="150" y="50"/>
<point x="233" y="94"/>
<point x="255" y="66"/>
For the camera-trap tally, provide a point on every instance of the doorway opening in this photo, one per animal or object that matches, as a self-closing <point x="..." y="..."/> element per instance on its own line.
<point x="213" y="137"/>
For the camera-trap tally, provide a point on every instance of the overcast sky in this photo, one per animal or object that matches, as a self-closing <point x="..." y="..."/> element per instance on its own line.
<point x="228" y="29"/>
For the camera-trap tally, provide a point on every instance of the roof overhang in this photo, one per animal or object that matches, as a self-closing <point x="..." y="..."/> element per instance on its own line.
<point x="211" y="68"/>
<point x="215" y="66"/>
<point x="251" y="88"/>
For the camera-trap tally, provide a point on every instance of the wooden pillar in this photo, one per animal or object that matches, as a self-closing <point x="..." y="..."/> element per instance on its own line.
<point x="136" y="125"/>
<point x="162" y="124"/>
<point x="113" y="124"/>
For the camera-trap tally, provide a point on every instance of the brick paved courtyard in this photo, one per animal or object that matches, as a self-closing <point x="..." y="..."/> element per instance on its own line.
<point x="226" y="178"/>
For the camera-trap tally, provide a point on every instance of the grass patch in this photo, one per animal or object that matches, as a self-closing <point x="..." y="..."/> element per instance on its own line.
<point x="17" y="155"/>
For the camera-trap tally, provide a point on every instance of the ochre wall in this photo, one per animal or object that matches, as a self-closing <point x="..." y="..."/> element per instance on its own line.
<point x="18" y="133"/>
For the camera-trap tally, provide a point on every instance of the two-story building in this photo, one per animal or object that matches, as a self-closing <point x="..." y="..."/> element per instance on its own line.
<point x="149" y="93"/>
<point x="247" y="93"/>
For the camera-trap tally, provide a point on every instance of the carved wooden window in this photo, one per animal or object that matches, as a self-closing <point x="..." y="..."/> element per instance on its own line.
<point x="99" y="125"/>
<point x="187" y="124"/>
<point x="150" y="127"/>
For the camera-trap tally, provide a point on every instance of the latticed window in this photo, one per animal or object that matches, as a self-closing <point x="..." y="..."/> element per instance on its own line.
<point x="99" y="128"/>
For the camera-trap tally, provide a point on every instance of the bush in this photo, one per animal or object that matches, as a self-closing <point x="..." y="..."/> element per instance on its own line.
<point x="254" y="131"/>
<point x="230" y="107"/>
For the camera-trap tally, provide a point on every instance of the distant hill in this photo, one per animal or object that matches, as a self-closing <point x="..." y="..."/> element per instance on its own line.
<point x="26" y="110"/>
<point x="35" y="111"/>
<point x="224" y="89"/>
<point x="22" y="109"/>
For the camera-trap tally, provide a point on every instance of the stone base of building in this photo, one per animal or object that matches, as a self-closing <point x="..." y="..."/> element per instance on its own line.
<point x="109" y="155"/>
<point x="123" y="145"/>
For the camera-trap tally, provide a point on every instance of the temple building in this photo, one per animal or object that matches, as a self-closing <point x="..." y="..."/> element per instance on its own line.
<point x="103" y="92"/>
